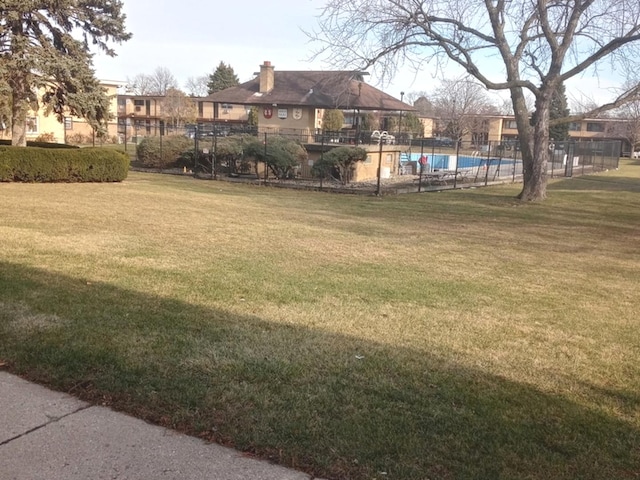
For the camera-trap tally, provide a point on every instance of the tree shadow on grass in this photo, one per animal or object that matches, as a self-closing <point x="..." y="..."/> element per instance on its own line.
<point x="334" y="405"/>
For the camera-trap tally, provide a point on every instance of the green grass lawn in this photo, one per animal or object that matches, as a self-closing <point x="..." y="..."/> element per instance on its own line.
<point x="453" y="335"/>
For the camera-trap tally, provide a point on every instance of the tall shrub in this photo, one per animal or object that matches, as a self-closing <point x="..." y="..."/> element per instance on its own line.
<point x="162" y="152"/>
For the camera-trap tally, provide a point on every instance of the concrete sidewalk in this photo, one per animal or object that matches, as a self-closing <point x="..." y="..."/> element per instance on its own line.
<point x="53" y="436"/>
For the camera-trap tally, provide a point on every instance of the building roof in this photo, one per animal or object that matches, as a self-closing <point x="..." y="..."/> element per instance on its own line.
<point x="319" y="89"/>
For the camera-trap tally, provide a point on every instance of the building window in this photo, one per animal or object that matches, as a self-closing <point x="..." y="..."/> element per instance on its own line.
<point x="32" y="125"/>
<point x="595" y="127"/>
<point x="201" y="109"/>
<point x="68" y="123"/>
<point x="575" y="126"/>
<point x="122" y="104"/>
<point x="389" y="159"/>
<point x="510" y="124"/>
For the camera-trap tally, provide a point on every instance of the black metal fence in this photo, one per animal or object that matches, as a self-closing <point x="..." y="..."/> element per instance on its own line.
<point x="422" y="162"/>
<point x="500" y="159"/>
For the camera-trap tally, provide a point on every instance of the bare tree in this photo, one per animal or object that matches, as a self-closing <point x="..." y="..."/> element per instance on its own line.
<point x="506" y="104"/>
<point x="162" y="81"/>
<point x="178" y="108"/>
<point x="141" y="84"/>
<point x="197" y="86"/>
<point x="515" y="46"/>
<point x="461" y="106"/>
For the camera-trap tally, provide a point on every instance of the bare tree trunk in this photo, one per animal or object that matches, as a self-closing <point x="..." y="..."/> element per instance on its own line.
<point x="534" y="145"/>
<point x="535" y="167"/>
<point x="18" y="80"/>
<point x="18" y="116"/>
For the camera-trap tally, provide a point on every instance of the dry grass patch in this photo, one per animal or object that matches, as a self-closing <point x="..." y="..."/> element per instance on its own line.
<point x="451" y="335"/>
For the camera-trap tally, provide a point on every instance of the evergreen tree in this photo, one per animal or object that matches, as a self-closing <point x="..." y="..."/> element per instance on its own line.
<point x="333" y="120"/>
<point x="412" y="124"/>
<point x="223" y="77"/>
<point x="39" y="54"/>
<point x="252" y="118"/>
<point x="370" y="121"/>
<point x="342" y="159"/>
<point x="281" y="155"/>
<point x="559" y="109"/>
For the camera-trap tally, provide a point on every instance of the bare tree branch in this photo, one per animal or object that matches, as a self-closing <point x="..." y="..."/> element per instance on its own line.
<point x="539" y="43"/>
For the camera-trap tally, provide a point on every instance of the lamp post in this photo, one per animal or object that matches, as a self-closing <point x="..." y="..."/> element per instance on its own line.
<point x="400" y="117"/>
<point x="127" y="119"/>
<point x="381" y="137"/>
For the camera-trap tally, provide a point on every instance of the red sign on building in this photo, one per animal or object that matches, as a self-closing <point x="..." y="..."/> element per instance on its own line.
<point x="268" y="112"/>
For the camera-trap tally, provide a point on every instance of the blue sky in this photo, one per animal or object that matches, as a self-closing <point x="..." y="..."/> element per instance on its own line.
<point x="191" y="37"/>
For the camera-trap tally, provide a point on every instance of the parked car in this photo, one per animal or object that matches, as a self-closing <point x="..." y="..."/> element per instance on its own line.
<point x="635" y="154"/>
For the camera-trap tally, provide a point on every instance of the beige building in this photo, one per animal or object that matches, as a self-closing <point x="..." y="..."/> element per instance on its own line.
<point x="153" y="115"/>
<point x="500" y="128"/>
<point x="293" y="103"/>
<point x="47" y="127"/>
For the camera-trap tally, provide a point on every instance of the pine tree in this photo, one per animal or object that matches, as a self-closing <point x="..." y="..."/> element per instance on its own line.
<point x="333" y="120"/>
<point x="40" y="54"/>
<point x="223" y="77"/>
<point x="558" y="110"/>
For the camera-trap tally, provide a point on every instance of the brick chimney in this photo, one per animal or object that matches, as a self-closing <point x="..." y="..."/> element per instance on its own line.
<point x="266" y="77"/>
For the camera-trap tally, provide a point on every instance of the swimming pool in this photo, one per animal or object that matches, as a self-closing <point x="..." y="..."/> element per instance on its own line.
<point x="448" y="162"/>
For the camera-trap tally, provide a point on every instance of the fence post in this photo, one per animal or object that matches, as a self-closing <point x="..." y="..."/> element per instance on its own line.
<point x="433" y="154"/>
<point x="568" y="170"/>
<point x="497" y="172"/>
<point x="486" y="164"/>
<point x="486" y="173"/>
<point x="515" y="160"/>
<point x="214" y="151"/>
<point x="161" y="155"/>
<point x="379" y="166"/>
<point x="195" y="151"/>
<point x="421" y="164"/>
<point x="265" y="158"/>
<point x="455" y="175"/>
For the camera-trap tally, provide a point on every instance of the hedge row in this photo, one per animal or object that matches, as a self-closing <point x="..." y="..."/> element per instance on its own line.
<point x="33" y="164"/>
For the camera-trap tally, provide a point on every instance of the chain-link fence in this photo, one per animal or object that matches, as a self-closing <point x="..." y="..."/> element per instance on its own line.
<point x="266" y="155"/>
<point x="499" y="161"/>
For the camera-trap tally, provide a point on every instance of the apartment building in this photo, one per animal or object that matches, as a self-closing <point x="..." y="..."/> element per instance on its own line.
<point x="499" y="128"/>
<point x="153" y="115"/>
<point x="44" y="125"/>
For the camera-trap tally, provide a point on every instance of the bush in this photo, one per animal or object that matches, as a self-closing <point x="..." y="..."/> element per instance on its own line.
<point x="46" y="138"/>
<point x="342" y="160"/>
<point x="77" y="138"/>
<point x="153" y="154"/>
<point x="33" y="164"/>
<point x="229" y="152"/>
<point x="282" y="157"/>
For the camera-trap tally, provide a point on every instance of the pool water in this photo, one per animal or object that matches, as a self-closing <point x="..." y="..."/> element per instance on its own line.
<point x="448" y="162"/>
